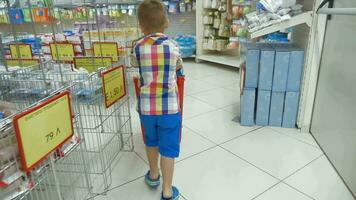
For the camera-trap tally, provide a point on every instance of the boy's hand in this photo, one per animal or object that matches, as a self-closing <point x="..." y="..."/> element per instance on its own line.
<point x="133" y="61"/>
<point x="179" y="64"/>
<point x="179" y="67"/>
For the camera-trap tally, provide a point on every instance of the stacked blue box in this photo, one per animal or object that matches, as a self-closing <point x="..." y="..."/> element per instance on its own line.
<point x="266" y="69"/>
<point x="290" y="109"/>
<point x="276" y="111"/>
<point x="247" y="109"/>
<point x="263" y="107"/>
<point x="281" y="67"/>
<point x="296" y="64"/>
<point x="252" y="62"/>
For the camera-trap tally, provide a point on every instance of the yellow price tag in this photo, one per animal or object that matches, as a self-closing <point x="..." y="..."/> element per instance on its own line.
<point x="106" y="49"/>
<point x="23" y="51"/>
<point x="43" y="129"/>
<point x="66" y="51"/>
<point x="113" y="85"/>
<point x="91" y="64"/>
<point x="22" y="62"/>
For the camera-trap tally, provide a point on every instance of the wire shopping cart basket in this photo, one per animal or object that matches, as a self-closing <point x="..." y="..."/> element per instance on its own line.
<point x="60" y="174"/>
<point x="106" y="131"/>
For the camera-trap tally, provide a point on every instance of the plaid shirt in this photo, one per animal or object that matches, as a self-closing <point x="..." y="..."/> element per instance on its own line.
<point x="157" y="58"/>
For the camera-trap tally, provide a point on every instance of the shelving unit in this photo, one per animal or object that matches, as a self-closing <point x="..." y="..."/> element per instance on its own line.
<point x="230" y="60"/>
<point x="227" y="57"/>
<point x="304" y="18"/>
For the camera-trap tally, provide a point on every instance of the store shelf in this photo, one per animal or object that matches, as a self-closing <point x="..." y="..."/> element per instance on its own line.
<point x="230" y="60"/>
<point x="304" y="18"/>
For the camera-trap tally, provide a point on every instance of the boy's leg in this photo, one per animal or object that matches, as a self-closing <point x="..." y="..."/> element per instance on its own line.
<point x="169" y="128"/>
<point x="152" y="155"/>
<point x="150" y="136"/>
<point x="167" y="167"/>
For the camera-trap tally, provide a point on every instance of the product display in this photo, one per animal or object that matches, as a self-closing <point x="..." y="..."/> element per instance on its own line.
<point x="281" y="68"/>
<point x="263" y="107"/>
<point x="217" y="22"/>
<point x="272" y="12"/>
<point x="187" y="45"/>
<point x="37" y="84"/>
<point x="276" y="111"/>
<point x="177" y="6"/>
<point x="269" y="69"/>
<point x="266" y="68"/>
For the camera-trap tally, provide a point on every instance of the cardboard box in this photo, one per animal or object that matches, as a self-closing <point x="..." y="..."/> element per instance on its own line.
<point x="295" y="73"/>
<point x="266" y="69"/>
<point x="291" y="109"/>
<point x="263" y="107"/>
<point x="280" y="75"/>
<point x="247" y="107"/>
<point x="276" y="111"/>
<point x="252" y="62"/>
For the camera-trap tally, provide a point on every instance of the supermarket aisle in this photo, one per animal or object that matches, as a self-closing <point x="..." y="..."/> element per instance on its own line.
<point x="222" y="160"/>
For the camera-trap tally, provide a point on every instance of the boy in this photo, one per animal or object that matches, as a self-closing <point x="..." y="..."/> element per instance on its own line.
<point x="158" y="59"/>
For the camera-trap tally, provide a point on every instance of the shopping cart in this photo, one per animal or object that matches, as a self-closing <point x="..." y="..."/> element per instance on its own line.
<point x="180" y="84"/>
<point x="62" y="174"/>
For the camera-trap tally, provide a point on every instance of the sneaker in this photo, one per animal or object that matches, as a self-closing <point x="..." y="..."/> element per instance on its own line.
<point x="175" y="194"/>
<point x="153" y="183"/>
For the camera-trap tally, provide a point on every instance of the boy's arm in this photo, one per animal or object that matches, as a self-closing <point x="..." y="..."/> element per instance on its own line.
<point x="133" y="61"/>
<point x="133" y="58"/>
<point x="179" y="64"/>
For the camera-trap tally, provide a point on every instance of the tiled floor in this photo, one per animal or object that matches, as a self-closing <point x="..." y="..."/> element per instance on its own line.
<point x="222" y="160"/>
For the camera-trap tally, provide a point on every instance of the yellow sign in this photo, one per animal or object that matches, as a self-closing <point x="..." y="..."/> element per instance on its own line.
<point x="22" y="62"/>
<point x="24" y="50"/>
<point x="43" y="129"/>
<point x="113" y="85"/>
<point x="66" y="51"/>
<point x="106" y="49"/>
<point x="91" y="64"/>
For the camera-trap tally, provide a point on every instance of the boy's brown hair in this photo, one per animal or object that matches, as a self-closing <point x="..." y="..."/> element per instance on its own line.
<point x="152" y="16"/>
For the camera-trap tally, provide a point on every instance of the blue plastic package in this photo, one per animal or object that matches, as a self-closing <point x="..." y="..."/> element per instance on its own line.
<point x="247" y="107"/>
<point x="276" y="109"/>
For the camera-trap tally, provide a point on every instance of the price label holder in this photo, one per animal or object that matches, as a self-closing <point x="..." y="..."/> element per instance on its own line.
<point x="43" y="129"/>
<point x="66" y="52"/>
<point x="22" y="62"/>
<point x="113" y="85"/>
<point x="23" y="51"/>
<point x="106" y="49"/>
<point x="91" y="64"/>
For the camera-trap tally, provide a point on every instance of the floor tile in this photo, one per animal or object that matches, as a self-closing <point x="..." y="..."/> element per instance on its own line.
<point x="234" y="87"/>
<point x="234" y="108"/>
<point x="217" y="174"/>
<point x="135" y="122"/>
<point x="196" y="86"/>
<point x="217" y="126"/>
<point x="191" y="144"/>
<point x="136" y="190"/>
<point x="295" y="133"/>
<point x="282" y="192"/>
<point x="222" y="79"/>
<point x="127" y="167"/>
<point x="273" y="152"/>
<point x="140" y="147"/>
<point x="198" y="70"/>
<point x="193" y="107"/>
<point x="219" y="97"/>
<point x="320" y="181"/>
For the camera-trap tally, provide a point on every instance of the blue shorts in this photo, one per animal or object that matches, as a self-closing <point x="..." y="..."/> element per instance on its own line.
<point x="163" y="131"/>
